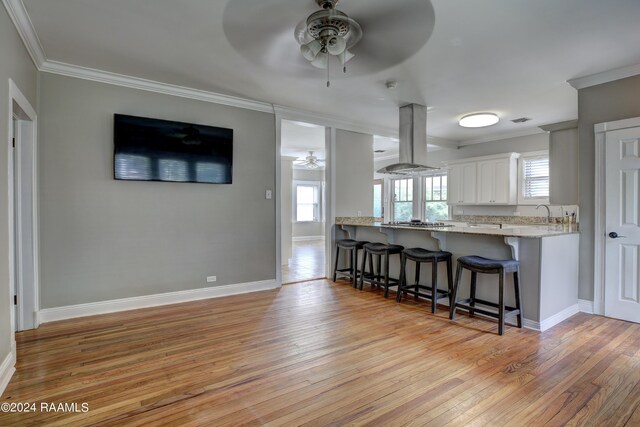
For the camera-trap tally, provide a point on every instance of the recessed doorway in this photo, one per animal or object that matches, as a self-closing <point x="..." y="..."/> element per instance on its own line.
<point x="303" y="201"/>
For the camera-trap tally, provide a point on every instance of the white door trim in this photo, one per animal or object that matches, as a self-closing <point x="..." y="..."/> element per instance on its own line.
<point x="16" y="96"/>
<point x="329" y="199"/>
<point x="599" y="238"/>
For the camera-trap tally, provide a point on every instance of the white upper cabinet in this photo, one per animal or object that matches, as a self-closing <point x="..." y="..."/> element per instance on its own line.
<point x="490" y="180"/>
<point x="461" y="179"/>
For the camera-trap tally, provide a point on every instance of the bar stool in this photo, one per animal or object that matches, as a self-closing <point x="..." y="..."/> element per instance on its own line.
<point x="419" y="255"/>
<point x="376" y="278"/>
<point x="476" y="265"/>
<point x="352" y="247"/>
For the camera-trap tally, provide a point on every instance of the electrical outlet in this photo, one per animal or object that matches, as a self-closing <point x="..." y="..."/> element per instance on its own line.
<point x="269" y="194"/>
<point x="359" y="214"/>
<point x="211" y="279"/>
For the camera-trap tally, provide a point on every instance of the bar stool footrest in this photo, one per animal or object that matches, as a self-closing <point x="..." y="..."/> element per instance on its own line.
<point x="508" y="311"/>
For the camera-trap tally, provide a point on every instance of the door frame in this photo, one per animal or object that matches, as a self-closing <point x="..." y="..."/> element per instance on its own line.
<point x="27" y="116"/>
<point x="599" y="238"/>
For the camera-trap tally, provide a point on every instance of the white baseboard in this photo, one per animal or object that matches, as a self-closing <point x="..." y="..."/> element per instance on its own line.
<point x="586" y="306"/>
<point x="306" y="238"/>
<point x="550" y="322"/>
<point x="6" y="371"/>
<point x="112" y="306"/>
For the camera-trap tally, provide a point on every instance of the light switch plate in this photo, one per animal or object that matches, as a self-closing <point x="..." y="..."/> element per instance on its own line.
<point x="211" y="279"/>
<point x="269" y="194"/>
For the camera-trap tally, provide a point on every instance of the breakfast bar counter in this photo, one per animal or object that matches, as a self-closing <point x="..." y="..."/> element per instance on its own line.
<point x="548" y="255"/>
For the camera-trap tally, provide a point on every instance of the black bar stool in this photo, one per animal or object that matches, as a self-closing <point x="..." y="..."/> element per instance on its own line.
<point x="419" y="255"/>
<point x="352" y="247"/>
<point x="376" y="278"/>
<point x="476" y="265"/>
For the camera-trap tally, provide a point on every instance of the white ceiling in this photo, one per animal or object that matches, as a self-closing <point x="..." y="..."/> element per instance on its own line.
<point x="511" y="57"/>
<point x="298" y="138"/>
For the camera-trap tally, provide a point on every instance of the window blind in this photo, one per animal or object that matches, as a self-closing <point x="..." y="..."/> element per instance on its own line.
<point x="536" y="178"/>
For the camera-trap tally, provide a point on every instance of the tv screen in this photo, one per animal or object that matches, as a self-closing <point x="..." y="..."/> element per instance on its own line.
<point x="161" y="150"/>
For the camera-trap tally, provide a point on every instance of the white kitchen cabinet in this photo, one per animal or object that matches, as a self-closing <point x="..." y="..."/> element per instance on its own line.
<point x="497" y="181"/>
<point x="489" y="180"/>
<point x="462" y="184"/>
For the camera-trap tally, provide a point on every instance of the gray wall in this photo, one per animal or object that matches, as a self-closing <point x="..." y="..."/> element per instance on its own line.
<point x="305" y="229"/>
<point x="597" y="104"/>
<point x="103" y="239"/>
<point x="354" y="169"/>
<point x="17" y="65"/>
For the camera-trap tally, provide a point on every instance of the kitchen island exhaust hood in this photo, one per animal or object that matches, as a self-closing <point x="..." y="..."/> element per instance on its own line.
<point x="413" y="143"/>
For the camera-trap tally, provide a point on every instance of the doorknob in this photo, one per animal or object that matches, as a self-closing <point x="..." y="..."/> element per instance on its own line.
<point x="615" y="235"/>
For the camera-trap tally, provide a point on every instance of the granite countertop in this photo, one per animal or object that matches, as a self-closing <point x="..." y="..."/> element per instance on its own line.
<point x="537" y="231"/>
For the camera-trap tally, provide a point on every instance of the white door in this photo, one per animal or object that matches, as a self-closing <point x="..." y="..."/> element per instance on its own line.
<point x="622" y="266"/>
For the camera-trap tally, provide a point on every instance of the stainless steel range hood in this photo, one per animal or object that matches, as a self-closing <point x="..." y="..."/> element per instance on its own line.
<point x="413" y="143"/>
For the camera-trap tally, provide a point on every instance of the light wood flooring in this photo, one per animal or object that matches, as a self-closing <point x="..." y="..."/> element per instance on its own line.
<point x="306" y="263"/>
<point x="319" y="353"/>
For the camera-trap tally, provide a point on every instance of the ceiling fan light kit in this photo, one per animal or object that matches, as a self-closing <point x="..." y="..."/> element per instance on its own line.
<point x="328" y="33"/>
<point x="310" y="162"/>
<point x="479" y="120"/>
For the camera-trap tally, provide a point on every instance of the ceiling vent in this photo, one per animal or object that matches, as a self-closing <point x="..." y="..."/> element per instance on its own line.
<point x="521" y="120"/>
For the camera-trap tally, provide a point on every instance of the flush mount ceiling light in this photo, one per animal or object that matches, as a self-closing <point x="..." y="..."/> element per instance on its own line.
<point x="328" y="33"/>
<point x="478" y="120"/>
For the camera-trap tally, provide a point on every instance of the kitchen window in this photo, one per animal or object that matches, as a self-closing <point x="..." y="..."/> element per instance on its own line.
<point x="402" y="199"/>
<point x="378" y="199"/>
<point x="307" y="201"/>
<point x="435" y="198"/>
<point x="534" y="178"/>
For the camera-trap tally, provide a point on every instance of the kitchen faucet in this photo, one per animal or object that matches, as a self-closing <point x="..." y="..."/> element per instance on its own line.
<point x="548" y="211"/>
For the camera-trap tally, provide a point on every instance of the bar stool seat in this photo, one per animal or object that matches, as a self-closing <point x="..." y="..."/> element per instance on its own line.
<point x="383" y="249"/>
<point x="351" y="271"/>
<point x="420" y="255"/>
<point x="478" y="264"/>
<point x="376" y="278"/>
<point x="483" y="265"/>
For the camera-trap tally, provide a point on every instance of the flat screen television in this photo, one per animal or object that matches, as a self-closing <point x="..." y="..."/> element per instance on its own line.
<point x="161" y="150"/>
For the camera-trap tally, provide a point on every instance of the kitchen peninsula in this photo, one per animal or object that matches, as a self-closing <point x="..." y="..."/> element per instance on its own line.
<point x="548" y="255"/>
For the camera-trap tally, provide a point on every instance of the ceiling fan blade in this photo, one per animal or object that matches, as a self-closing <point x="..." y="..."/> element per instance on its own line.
<point x="263" y="32"/>
<point x="393" y="32"/>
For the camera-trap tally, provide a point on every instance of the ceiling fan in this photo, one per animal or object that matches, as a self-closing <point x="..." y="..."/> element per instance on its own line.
<point x="296" y="38"/>
<point x="310" y="162"/>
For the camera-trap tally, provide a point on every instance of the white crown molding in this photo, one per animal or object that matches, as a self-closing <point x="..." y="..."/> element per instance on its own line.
<point x="501" y="137"/>
<point x="327" y="120"/>
<point x="604" y="77"/>
<point x="7" y="368"/>
<point x="92" y="74"/>
<point x="18" y="14"/>
<point x="124" y="304"/>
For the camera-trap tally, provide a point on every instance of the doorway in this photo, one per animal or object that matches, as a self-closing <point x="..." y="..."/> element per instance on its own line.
<point x="619" y="229"/>
<point x="23" y="252"/>
<point x="303" y="190"/>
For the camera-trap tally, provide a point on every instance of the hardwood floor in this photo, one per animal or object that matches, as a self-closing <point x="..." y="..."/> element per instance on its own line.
<point x="319" y="353"/>
<point x="306" y="263"/>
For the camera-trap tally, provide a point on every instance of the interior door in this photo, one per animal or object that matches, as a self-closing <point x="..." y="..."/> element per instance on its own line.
<point x="622" y="250"/>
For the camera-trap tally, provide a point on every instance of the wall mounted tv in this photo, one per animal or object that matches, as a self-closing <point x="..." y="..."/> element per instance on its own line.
<point x="161" y="150"/>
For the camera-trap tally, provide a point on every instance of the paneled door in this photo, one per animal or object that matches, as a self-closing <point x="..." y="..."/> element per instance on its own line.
<point x="622" y="251"/>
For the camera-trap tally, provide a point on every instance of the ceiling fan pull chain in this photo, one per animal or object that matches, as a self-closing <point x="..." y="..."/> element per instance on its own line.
<point x="328" y="71"/>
